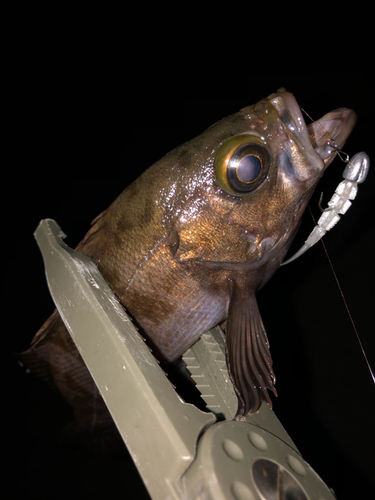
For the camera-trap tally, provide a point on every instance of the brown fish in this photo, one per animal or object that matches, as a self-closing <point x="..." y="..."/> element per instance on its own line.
<point x="190" y="242"/>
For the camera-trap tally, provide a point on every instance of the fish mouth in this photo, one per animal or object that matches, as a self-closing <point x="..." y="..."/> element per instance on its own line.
<point x="318" y="142"/>
<point x="334" y="129"/>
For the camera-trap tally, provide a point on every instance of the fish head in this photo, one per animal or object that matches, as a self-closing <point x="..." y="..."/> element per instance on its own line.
<point x="248" y="181"/>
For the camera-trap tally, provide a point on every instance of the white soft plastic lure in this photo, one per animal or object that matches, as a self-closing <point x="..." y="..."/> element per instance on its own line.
<point x="354" y="173"/>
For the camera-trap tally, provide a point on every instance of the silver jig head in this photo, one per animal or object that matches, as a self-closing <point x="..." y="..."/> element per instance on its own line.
<point x="354" y="173"/>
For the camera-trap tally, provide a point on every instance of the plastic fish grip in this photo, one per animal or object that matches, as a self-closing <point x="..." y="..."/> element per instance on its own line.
<point x="181" y="452"/>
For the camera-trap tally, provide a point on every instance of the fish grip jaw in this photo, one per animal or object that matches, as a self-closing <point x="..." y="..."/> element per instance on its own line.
<point x="206" y="363"/>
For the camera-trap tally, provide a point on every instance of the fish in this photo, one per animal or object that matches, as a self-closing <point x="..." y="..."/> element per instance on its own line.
<point x="188" y="245"/>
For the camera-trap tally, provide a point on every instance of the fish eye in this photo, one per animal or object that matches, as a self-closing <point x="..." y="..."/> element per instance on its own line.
<point x="241" y="165"/>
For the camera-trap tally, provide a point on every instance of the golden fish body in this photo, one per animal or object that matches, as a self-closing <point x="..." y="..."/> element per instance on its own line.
<point x="190" y="242"/>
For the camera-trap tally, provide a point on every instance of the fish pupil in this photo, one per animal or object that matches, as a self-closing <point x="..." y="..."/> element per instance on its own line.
<point x="249" y="168"/>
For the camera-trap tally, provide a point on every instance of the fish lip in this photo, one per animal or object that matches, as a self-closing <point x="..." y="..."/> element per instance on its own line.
<point x="291" y="114"/>
<point x="315" y="139"/>
<point x="333" y="128"/>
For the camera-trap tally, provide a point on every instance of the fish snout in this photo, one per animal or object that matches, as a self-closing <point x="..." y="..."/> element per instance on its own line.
<point x="329" y="133"/>
<point x="308" y="150"/>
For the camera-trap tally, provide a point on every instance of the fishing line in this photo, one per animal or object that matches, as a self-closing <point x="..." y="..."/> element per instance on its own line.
<point x="308" y="116"/>
<point x="345" y="160"/>
<point x="345" y="303"/>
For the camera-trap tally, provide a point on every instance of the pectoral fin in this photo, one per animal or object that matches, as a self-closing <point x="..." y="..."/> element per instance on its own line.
<point x="248" y="352"/>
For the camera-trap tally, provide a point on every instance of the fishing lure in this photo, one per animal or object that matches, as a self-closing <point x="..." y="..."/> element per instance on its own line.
<point x="354" y="173"/>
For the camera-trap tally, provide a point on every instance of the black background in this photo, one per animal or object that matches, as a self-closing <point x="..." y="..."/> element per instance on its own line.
<point x="77" y="148"/>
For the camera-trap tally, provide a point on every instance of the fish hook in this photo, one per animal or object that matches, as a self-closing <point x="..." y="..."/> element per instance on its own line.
<point x="320" y="203"/>
<point x="340" y="152"/>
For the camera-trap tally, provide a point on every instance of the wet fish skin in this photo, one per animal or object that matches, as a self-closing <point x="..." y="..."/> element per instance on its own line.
<point x="183" y="254"/>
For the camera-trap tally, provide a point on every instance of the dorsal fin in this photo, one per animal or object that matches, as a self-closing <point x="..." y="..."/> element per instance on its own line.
<point x="248" y="352"/>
